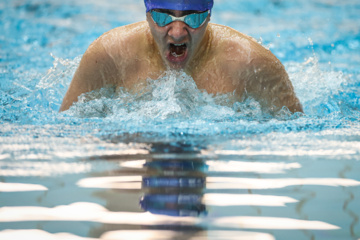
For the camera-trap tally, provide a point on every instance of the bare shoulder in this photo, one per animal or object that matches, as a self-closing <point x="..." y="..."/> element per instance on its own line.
<point x="104" y="61"/>
<point x="113" y="51"/>
<point x="258" y="71"/>
<point x="238" y="46"/>
<point x="120" y="42"/>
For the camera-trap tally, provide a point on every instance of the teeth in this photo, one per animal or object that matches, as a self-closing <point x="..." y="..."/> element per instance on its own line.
<point x="178" y="45"/>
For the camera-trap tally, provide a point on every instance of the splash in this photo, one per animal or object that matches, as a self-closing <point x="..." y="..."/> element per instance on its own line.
<point x="172" y="96"/>
<point x="173" y="105"/>
<point x="36" y="98"/>
<point x="324" y="85"/>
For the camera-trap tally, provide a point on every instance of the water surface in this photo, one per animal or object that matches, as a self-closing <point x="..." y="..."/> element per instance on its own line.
<point x="176" y="162"/>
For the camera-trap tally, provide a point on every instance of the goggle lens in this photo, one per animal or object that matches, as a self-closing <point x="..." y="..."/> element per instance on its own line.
<point x="194" y="20"/>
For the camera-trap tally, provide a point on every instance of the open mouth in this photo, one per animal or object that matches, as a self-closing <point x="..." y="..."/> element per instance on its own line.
<point x="177" y="50"/>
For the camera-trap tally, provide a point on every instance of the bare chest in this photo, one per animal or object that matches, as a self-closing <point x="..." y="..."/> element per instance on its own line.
<point x="216" y="77"/>
<point x="213" y="76"/>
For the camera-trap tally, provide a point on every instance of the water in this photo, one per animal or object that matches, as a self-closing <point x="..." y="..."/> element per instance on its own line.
<point x="175" y="162"/>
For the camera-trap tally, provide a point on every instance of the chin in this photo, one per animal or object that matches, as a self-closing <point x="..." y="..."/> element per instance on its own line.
<point x="177" y="63"/>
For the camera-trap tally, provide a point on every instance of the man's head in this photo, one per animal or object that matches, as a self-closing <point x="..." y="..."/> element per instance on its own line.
<point x="178" y="27"/>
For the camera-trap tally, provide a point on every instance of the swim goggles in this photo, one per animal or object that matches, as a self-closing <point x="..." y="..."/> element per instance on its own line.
<point x="193" y="20"/>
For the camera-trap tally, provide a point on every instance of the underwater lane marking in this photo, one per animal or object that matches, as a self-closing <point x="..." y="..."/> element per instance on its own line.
<point x="21" y="187"/>
<point x="92" y="212"/>
<point x="252" y="183"/>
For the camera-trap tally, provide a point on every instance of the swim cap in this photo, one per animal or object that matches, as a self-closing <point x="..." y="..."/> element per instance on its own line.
<point x="181" y="5"/>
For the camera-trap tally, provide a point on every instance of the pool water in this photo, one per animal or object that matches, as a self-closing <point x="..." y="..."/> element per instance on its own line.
<point x="175" y="162"/>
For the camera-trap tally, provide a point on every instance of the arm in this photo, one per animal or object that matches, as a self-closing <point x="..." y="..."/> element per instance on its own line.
<point x="270" y="85"/>
<point x="96" y="70"/>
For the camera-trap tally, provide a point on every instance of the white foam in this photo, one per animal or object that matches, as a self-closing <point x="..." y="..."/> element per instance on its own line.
<point x="323" y="84"/>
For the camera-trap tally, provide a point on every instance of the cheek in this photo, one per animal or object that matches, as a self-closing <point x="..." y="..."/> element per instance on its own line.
<point x="197" y="36"/>
<point x="158" y="34"/>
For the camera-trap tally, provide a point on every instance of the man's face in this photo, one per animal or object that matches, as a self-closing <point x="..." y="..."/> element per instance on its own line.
<point x="177" y="42"/>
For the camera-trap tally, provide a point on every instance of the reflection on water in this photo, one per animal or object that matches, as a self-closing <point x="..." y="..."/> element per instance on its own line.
<point x="177" y="192"/>
<point x="20" y="187"/>
<point x="139" y="235"/>
<point x="248" y="183"/>
<point x="102" y="176"/>
<point x="174" y="187"/>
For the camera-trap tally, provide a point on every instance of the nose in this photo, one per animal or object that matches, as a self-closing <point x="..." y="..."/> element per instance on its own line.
<point x="178" y="31"/>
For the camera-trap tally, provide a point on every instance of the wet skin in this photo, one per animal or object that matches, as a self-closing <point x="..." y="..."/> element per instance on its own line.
<point x="218" y="58"/>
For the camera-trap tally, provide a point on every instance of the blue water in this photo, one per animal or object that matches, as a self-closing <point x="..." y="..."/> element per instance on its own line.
<point x="232" y="170"/>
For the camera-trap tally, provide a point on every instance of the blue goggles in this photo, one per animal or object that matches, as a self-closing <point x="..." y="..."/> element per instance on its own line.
<point x="193" y="20"/>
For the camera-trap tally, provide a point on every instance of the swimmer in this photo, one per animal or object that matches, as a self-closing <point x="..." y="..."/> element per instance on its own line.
<point x="177" y="36"/>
